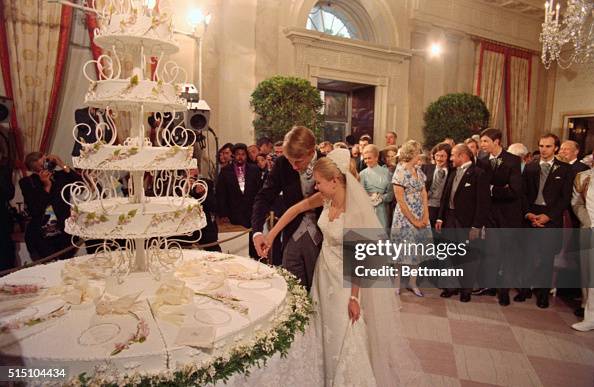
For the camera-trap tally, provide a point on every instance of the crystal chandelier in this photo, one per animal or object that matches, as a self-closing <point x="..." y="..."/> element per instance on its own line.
<point x="570" y="39"/>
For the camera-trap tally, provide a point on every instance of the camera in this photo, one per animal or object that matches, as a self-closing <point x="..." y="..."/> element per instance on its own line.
<point x="49" y="165"/>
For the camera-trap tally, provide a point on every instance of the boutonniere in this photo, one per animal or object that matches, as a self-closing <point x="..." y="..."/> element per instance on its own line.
<point x="498" y="162"/>
<point x="555" y="167"/>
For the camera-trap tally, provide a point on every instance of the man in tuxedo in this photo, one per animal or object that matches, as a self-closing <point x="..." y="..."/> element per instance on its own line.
<point x="505" y="183"/>
<point x="292" y="174"/>
<point x="364" y="140"/>
<point x="547" y="193"/>
<point x="465" y="205"/>
<point x="237" y="186"/>
<point x="568" y="152"/>
<point x="436" y="177"/>
<point x="473" y="145"/>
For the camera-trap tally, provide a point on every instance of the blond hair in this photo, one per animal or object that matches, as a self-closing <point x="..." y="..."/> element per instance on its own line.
<point x="299" y="142"/>
<point x="372" y="149"/>
<point x="329" y="170"/>
<point x="409" y="150"/>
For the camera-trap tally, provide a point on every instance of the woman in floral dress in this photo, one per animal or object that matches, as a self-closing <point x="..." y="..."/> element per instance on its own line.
<point x="410" y="223"/>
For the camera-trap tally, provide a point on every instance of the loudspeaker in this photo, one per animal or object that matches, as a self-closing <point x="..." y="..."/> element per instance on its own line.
<point x="197" y="116"/>
<point x="5" y="109"/>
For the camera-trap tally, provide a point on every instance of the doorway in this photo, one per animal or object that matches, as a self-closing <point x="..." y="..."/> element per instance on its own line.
<point x="581" y="130"/>
<point x="349" y="110"/>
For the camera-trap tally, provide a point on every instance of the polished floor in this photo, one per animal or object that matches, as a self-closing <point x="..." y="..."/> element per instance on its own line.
<point x="481" y="343"/>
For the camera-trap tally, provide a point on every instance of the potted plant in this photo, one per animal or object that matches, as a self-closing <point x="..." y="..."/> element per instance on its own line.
<point x="282" y="102"/>
<point x="456" y="115"/>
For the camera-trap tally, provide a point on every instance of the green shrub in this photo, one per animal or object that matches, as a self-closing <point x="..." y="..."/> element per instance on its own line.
<point x="457" y="115"/>
<point x="281" y="102"/>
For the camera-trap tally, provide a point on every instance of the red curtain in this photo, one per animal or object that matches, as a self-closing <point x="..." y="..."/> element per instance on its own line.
<point x="517" y="94"/>
<point x="61" y="58"/>
<point x="91" y="25"/>
<point x="7" y="77"/>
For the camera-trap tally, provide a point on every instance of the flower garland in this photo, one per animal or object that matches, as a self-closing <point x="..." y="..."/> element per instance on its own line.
<point x="14" y="290"/>
<point x="239" y="359"/>
<point x="142" y="332"/>
<point x="28" y="322"/>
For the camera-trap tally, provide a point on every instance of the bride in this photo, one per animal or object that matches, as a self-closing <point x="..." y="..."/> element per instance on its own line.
<point x="355" y="327"/>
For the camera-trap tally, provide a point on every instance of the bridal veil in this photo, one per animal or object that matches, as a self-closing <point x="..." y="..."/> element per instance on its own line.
<point x="393" y="361"/>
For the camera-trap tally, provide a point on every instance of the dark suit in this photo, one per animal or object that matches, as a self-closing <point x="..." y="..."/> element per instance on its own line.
<point x="299" y="256"/>
<point x="471" y="209"/>
<point x="544" y="244"/>
<point x="471" y="200"/>
<point x="506" y="194"/>
<point x="231" y="202"/>
<point x="37" y="200"/>
<point x="282" y="178"/>
<point x="505" y="213"/>
<point x="556" y="191"/>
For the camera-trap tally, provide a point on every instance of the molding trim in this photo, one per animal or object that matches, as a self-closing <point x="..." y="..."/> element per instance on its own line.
<point x="308" y="38"/>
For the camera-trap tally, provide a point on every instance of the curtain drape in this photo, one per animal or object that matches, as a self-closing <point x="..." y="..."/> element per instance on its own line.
<point x="37" y="35"/>
<point x="7" y="76"/>
<point x="490" y="78"/>
<point x="517" y="96"/>
<point x="506" y="68"/>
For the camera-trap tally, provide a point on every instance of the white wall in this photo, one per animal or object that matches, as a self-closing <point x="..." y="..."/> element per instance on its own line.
<point x="574" y="95"/>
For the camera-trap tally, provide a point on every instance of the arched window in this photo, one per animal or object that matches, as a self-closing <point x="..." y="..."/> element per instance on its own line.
<point x="338" y="18"/>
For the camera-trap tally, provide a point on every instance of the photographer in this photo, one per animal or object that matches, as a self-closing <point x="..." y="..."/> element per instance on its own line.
<point x="42" y="191"/>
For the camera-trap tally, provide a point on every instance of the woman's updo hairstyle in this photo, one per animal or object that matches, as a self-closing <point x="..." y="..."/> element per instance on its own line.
<point x="326" y="168"/>
<point x="409" y="150"/>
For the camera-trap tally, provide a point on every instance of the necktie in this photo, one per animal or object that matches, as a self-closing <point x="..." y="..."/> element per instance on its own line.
<point x="457" y="178"/>
<point x="545" y="168"/>
<point x="493" y="162"/>
<point x="441" y="174"/>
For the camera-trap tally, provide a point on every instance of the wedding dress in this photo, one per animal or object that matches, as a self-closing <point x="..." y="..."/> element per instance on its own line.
<point x="333" y="352"/>
<point x="344" y="344"/>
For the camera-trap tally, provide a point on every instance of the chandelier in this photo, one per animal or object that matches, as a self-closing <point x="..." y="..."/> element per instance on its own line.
<point x="569" y="39"/>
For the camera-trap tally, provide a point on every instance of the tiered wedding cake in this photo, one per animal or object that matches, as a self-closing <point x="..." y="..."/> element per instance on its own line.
<point x="131" y="29"/>
<point x="141" y="306"/>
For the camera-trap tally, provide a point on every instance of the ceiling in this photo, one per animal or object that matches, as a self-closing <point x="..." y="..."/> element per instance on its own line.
<point x="530" y="8"/>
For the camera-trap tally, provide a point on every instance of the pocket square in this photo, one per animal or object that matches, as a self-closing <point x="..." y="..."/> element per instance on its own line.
<point x="557" y="177"/>
<point x="467" y="185"/>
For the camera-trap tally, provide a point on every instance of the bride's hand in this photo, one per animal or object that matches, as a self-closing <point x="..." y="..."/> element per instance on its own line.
<point x="354" y="310"/>
<point x="267" y="245"/>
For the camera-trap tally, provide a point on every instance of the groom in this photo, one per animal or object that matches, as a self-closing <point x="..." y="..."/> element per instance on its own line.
<point x="292" y="175"/>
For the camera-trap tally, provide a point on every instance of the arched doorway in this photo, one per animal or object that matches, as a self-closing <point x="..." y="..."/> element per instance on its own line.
<point x="343" y="46"/>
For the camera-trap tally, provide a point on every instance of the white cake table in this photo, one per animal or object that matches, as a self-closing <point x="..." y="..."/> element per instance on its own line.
<point x="82" y="341"/>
